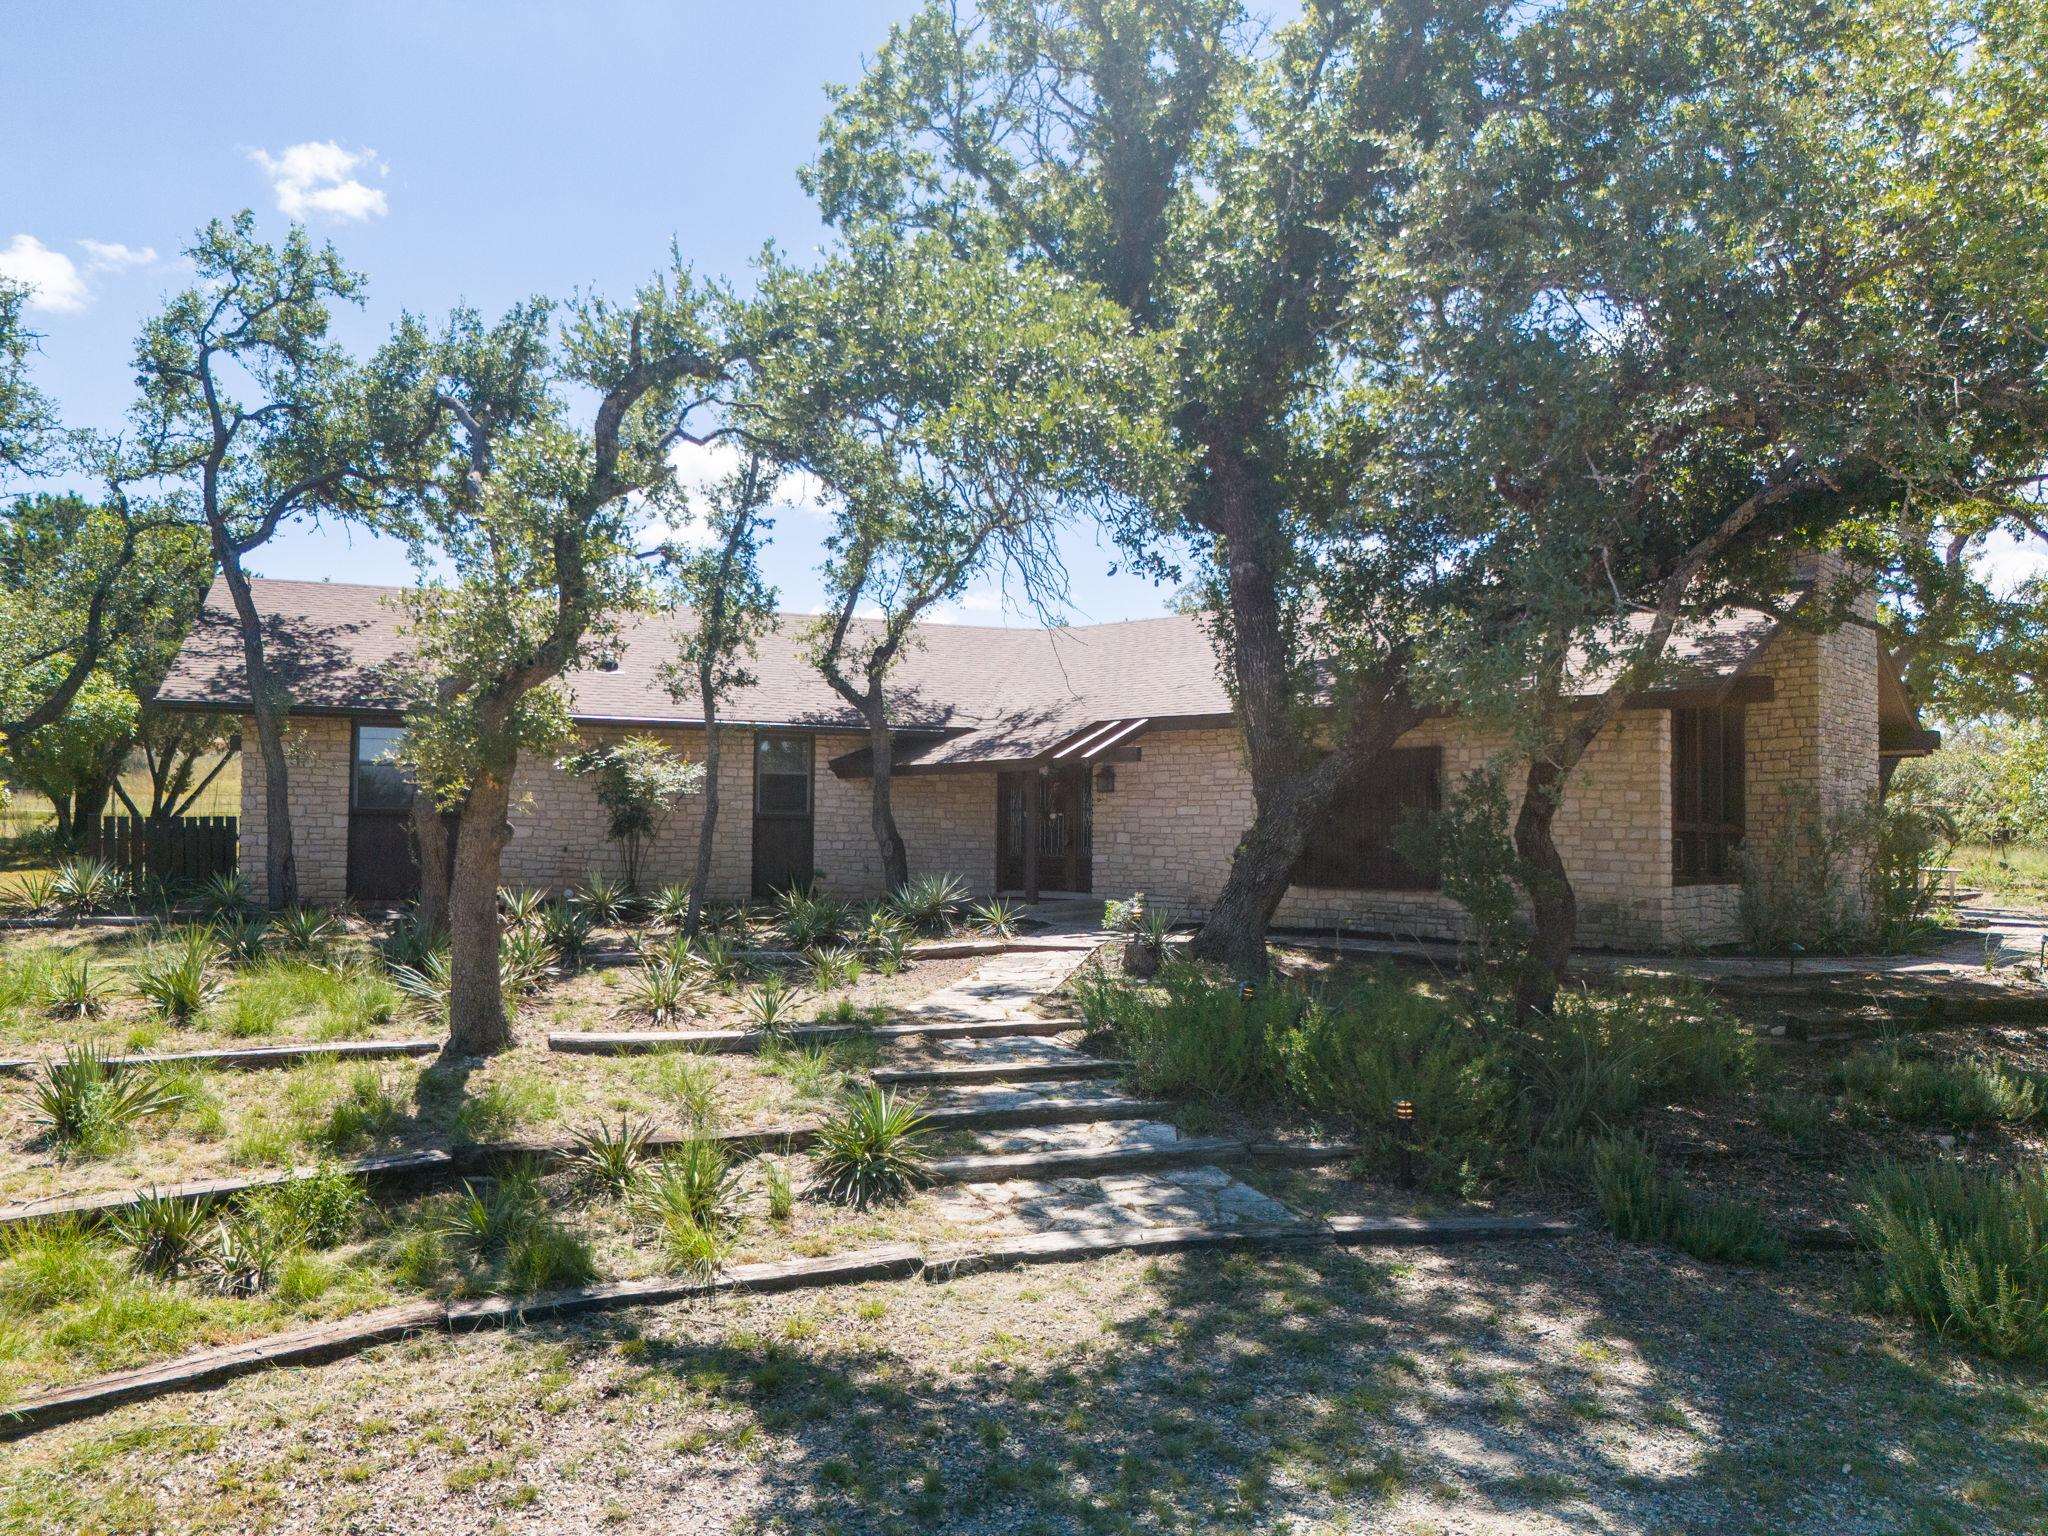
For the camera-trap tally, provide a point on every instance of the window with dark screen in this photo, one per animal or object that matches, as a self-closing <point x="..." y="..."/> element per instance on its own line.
<point x="1353" y="847"/>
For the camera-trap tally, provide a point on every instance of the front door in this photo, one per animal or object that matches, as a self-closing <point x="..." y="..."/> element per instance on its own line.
<point x="782" y="813"/>
<point x="1065" y="805"/>
<point x="383" y="861"/>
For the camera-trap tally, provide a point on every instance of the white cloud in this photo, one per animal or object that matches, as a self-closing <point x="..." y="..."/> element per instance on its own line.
<point x="320" y="177"/>
<point x="700" y="466"/>
<point x="51" y="277"/>
<point x="2006" y="560"/>
<point x="113" y="256"/>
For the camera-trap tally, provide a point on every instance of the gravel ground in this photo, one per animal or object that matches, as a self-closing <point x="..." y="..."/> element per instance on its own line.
<point x="1491" y="1389"/>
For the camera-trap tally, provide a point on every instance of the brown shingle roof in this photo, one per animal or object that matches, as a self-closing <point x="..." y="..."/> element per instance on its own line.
<point x="1000" y="694"/>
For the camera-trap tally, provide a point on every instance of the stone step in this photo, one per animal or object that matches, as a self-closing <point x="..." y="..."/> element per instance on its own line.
<point x="1131" y="1154"/>
<point x="1073" y="1067"/>
<point x="741" y="1041"/>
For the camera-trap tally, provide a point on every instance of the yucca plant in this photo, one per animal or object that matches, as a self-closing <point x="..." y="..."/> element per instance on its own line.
<point x="177" y="979"/>
<point x="34" y="893"/>
<point x="768" y="1005"/>
<point x="719" y="957"/>
<point x="76" y="991"/>
<point x="87" y="885"/>
<point x="610" y="1156"/>
<point x="884" y="941"/>
<point x="246" y="1251"/>
<point x="997" y="919"/>
<point x="928" y="902"/>
<point x="808" y="920"/>
<point x="161" y="1232"/>
<point x="567" y="927"/>
<point x="605" y="900"/>
<point x="871" y="1151"/>
<point x="487" y="1216"/>
<point x="84" y="1103"/>
<point x="225" y="893"/>
<point x="663" y="990"/>
<point x="833" y="968"/>
<point x="303" y="929"/>
<point x="521" y="906"/>
<point x="409" y="942"/>
<point x="239" y="936"/>
<point x="692" y="1186"/>
<point x="525" y="959"/>
<point x="670" y="905"/>
<point x="425" y="986"/>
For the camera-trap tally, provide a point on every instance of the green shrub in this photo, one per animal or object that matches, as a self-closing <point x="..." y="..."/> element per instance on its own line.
<point x="87" y="885"/>
<point x="670" y="905"/>
<point x="663" y="990"/>
<point x="781" y="1193"/>
<point x="929" y="903"/>
<point x="606" y="900"/>
<point x="1193" y="1038"/>
<point x="239" y="938"/>
<point x="304" y="930"/>
<point x="505" y="1104"/>
<point x="365" y="1110"/>
<point x="809" y="920"/>
<point x="487" y="1216"/>
<point x="834" y="967"/>
<point x="247" y="1249"/>
<point x="1725" y="1231"/>
<point x="76" y="991"/>
<point x="997" y="919"/>
<point x="609" y="1156"/>
<point x="1959" y="1095"/>
<point x="1798" y="1118"/>
<point x="1636" y="1201"/>
<point x="567" y="926"/>
<point x="317" y="1209"/>
<point x="87" y="1106"/>
<point x="871" y="1152"/>
<point x="526" y="960"/>
<point x="1965" y="1251"/>
<point x="768" y="1005"/>
<point x="1601" y="1056"/>
<point x="692" y="1185"/>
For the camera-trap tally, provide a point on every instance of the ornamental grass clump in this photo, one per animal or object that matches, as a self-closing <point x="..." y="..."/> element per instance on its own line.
<point x="1964" y="1251"/>
<point x="177" y="979"/>
<point x="872" y="1151"/>
<point x="609" y="1156"/>
<point x="87" y="1105"/>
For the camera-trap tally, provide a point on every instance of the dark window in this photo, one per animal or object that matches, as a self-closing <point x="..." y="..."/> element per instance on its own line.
<point x="1707" y="757"/>
<point x="380" y="784"/>
<point x="782" y="776"/>
<point x="1352" y="848"/>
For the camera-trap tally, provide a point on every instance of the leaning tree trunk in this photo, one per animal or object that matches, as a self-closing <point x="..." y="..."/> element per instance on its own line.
<point x="881" y="813"/>
<point x="1553" y="905"/>
<point x="430" y="831"/>
<point x="707" y="826"/>
<point x="266" y="705"/>
<point x="478" y="1023"/>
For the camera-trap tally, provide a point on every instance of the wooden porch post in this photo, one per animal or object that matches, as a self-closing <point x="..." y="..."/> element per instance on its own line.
<point x="1034" y="815"/>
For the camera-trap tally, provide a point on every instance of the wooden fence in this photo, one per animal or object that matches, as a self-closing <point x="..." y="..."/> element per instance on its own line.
<point x="185" y="851"/>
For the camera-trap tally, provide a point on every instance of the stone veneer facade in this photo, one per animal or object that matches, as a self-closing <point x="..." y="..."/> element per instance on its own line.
<point x="1169" y="826"/>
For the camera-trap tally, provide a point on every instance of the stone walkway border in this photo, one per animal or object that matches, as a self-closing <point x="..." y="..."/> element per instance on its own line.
<point x="349" y="1336"/>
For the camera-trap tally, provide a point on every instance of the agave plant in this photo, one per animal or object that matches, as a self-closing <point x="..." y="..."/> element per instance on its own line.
<point x="161" y="1233"/>
<point x="304" y="929"/>
<point x="885" y="941"/>
<point x="34" y="893"/>
<point x="663" y="990"/>
<point x="177" y="979"/>
<point x="720" y="957"/>
<point x="670" y="905"/>
<point x="997" y="919"/>
<point x="489" y="1215"/>
<point x="426" y="985"/>
<point x="525" y="959"/>
<point x="87" y="1104"/>
<point x="225" y="893"/>
<point x="75" y="991"/>
<point x="605" y="900"/>
<point x="768" y="1005"/>
<point x="520" y="905"/>
<point x="87" y="885"/>
<point x="871" y="1152"/>
<point x="834" y="968"/>
<point x="246" y="1252"/>
<point x="928" y="902"/>
<point x="567" y="926"/>
<point x="610" y="1156"/>
<point x="408" y="942"/>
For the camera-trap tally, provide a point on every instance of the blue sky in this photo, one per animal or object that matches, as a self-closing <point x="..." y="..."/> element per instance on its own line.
<point x="475" y="150"/>
<point x="452" y="150"/>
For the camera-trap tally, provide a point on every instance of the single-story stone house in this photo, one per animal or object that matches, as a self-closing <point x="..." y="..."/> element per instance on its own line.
<point x="1098" y="758"/>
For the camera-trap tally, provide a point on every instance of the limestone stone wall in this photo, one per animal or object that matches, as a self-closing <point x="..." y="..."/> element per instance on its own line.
<point x="316" y="750"/>
<point x="947" y="820"/>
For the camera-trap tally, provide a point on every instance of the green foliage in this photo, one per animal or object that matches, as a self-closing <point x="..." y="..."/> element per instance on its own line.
<point x="304" y="930"/>
<point x="224" y="895"/>
<point x="567" y="926"/>
<point x="487" y="1216"/>
<point x="638" y="780"/>
<point x="317" y="1209"/>
<point x="670" y="905"/>
<point x="1641" y="1205"/>
<point x="872" y="1151"/>
<point x="161" y="1232"/>
<point x="521" y="907"/>
<point x="76" y="991"/>
<point x="838" y="966"/>
<point x="808" y="920"/>
<point x="1728" y="1232"/>
<point x="769" y="1006"/>
<point x="664" y="990"/>
<point x="33" y="894"/>
<point x="689" y="1201"/>
<point x="1958" y="1095"/>
<point x="526" y="959"/>
<point x="928" y="903"/>
<point x="781" y="1193"/>
<point x="1599" y="1057"/>
<point x="609" y="1156"/>
<point x="247" y="1251"/>
<point x="549" y="1258"/>
<point x="604" y="901"/>
<point x="45" y="1264"/>
<point x="88" y="885"/>
<point x="1844" y="881"/>
<point x="177" y="978"/>
<point x="1470" y="848"/>
<point x="1989" y="779"/>
<point x="1965" y="1252"/>
<point x="997" y="919"/>
<point x="363" y="1111"/>
<point x="884" y="941"/>
<point x="86" y="1106"/>
<point x="239" y="938"/>
<point x="505" y="1105"/>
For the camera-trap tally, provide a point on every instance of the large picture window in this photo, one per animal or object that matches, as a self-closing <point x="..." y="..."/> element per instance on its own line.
<point x="1708" y="753"/>
<point x="1352" y="848"/>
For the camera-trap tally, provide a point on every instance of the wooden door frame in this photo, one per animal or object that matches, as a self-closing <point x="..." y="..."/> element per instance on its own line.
<point x="1037" y="781"/>
<point x="355" y="747"/>
<point x="755" y="816"/>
